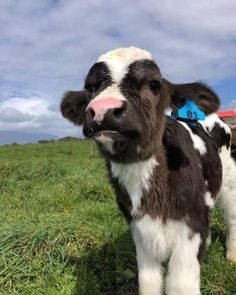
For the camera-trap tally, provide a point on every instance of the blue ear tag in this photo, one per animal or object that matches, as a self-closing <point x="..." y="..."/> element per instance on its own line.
<point x="189" y="113"/>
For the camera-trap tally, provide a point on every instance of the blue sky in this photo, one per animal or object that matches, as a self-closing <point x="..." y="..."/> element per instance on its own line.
<point x="47" y="47"/>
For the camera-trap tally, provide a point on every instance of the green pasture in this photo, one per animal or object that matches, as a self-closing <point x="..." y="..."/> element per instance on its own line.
<point x="62" y="233"/>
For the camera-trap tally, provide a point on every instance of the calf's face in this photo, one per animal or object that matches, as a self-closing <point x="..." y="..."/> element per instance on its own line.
<point x="125" y="114"/>
<point x="122" y="106"/>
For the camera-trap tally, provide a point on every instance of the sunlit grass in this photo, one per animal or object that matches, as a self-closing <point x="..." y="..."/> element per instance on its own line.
<point x="62" y="233"/>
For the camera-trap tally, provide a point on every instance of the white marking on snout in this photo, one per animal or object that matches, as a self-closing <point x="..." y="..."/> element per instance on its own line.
<point x="99" y="117"/>
<point x="110" y="91"/>
<point x="113" y="92"/>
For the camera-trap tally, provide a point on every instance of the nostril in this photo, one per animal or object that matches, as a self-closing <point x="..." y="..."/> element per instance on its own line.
<point x="117" y="112"/>
<point x="91" y="112"/>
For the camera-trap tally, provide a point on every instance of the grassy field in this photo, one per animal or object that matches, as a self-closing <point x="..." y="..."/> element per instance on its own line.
<point x="61" y="231"/>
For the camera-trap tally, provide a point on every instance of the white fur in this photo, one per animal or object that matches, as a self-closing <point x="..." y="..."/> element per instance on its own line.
<point x="159" y="238"/>
<point x="118" y="60"/>
<point x="198" y="143"/>
<point x="111" y="91"/>
<point x="135" y="178"/>
<point x="107" y="142"/>
<point x="168" y="111"/>
<point x="209" y="239"/>
<point x="209" y="201"/>
<point x="150" y="274"/>
<point x="184" y="268"/>
<point x="210" y="122"/>
<point x="155" y="241"/>
<point x="227" y="200"/>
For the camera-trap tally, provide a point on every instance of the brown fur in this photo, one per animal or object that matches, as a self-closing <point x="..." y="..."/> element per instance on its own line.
<point x="203" y="95"/>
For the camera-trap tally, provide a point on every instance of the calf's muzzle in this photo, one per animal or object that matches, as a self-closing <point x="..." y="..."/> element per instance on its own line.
<point x="97" y="109"/>
<point x="104" y="114"/>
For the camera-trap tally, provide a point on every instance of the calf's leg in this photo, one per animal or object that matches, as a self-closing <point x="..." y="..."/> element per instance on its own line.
<point x="149" y="268"/>
<point x="149" y="273"/>
<point x="227" y="201"/>
<point x="184" y="267"/>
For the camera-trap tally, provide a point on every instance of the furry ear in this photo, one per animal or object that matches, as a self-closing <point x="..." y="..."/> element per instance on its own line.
<point x="206" y="99"/>
<point x="73" y="106"/>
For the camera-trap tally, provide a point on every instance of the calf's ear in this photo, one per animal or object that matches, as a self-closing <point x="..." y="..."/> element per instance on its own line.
<point x="73" y="106"/>
<point x="205" y="98"/>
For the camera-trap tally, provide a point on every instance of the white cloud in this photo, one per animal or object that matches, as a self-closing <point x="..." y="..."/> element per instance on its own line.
<point x="61" y="42"/>
<point x="47" y="47"/>
<point x="10" y="114"/>
<point x="20" y="112"/>
<point x="32" y="106"/>
<point x="33" y="114"/>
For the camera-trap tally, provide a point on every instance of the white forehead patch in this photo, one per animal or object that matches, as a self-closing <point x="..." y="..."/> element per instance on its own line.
<point x="118" y="60"/>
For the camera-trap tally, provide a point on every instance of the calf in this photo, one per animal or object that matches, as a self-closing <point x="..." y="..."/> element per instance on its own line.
<point x="167" y="174"/>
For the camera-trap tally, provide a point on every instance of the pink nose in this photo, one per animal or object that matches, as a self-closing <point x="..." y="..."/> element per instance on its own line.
<point x="99" y="107"/>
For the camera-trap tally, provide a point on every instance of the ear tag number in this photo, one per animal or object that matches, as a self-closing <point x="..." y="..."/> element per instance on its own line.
<point x="190" y="113"/>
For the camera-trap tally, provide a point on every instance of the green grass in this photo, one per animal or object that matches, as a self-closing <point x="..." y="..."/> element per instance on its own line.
<point x="62" y="233"/>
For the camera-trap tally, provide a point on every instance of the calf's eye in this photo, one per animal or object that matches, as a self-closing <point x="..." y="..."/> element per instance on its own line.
<point x="155" y="86"/>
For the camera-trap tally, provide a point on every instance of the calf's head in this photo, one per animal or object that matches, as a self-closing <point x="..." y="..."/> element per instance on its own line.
<point x="123" y="103"/>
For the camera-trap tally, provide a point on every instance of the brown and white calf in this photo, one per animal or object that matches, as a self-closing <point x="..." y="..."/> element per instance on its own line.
<point x="167" y="175"/>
